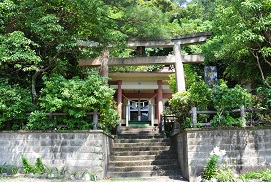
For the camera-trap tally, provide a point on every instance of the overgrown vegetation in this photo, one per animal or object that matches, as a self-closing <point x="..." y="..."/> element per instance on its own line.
<point x="75" y="97"/>
<point x="220" y="98"/>
<point x="40" y="169"/>
<point x="14" y="103"/>
<point x="264" y="175"/>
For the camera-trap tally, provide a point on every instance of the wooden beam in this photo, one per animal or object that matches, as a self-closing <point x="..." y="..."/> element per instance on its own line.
<point x="136" y="61"/>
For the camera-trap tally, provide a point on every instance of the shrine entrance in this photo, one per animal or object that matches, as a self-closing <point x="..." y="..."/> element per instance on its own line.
<point x="139" y="113"/>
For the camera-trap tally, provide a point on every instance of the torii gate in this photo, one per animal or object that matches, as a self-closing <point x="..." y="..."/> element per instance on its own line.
<point x="178" y="59"/>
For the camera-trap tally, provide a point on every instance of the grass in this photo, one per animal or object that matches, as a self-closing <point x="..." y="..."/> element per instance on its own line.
<point x="262" y="175"/>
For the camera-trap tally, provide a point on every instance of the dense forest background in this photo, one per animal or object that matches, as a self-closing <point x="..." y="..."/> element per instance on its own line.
<point x="39" y="49"/>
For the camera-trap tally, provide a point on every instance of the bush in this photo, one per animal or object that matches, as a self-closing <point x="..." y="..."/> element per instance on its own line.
<point x="181" y="103"/>
<point x="76" y="97"/>
<point x="224" y="100"/>
<point x="263" y="103"/>
<point x="221" y="98"/>
<point x="14" y="103"/>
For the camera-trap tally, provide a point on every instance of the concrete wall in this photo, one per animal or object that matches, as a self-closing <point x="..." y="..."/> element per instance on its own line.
<point x="77" y="151"/>
<point x="247" y="149"/>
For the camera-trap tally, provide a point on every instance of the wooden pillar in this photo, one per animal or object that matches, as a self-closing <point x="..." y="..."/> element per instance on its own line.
<point x="159" y="100"/>
<point x="179" y="71"/>
<point x="119" y="99"/>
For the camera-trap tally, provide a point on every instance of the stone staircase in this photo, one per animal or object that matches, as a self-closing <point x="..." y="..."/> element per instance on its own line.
<point x="143" y="153"/>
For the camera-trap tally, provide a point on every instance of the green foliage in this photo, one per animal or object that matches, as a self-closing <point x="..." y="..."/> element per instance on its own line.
<point x="15" y="49"/>
<point x="191" y="76"/>
<point x="38" y="120"/>
<point x="260" y="175"/>
<point x="211" y="169"/>
<point x="263" y="103"/>
<point x="93" y="176"/>
<point x="14" y="103"/>
<point x="39" y="166"/>
<point x="225" y="174"/>
<point x="240" y="38"/>
<point x="181" y="103"/>
<point x="172" y="82"/>
<point x="200" y="95"/>
<point x="221" y="98"/>
<point x="28" y="168"/>
<point x="226" y="99"/>
<point x="3" y="167"/>
<point x="75" y="97"/>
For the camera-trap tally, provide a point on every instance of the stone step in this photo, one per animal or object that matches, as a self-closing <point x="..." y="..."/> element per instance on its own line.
<point x="139" y="128"/>
<point x="142" y="163"/>
<point x="135" y="153"/>
<point x="143" y="153"/>
<point x="140" y="136"/>
<point x="142" y="157"/>
<point x="142" y="140"/>
<point x="143" y="148"/>
<point x="140" y="174"/>
<point x="142" y="144"/>
<point x="176" y="178"/>
<point x="144" y="168"/>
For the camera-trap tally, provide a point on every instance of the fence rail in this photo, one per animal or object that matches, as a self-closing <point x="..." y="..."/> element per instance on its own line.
<point x="242" y="110"/>
<point x="170" y="124"/>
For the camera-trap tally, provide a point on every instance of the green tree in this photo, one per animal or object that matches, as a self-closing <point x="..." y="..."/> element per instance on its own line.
<point x="241" y="39"/>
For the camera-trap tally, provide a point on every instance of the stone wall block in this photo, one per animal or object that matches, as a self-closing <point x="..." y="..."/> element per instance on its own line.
<point x="267" y="145"/>
<point x="70" y="149"/>
<point x="76" y="143"/>
<point x="86" y="149"/>
<point x="69" y="136"/>
<point x="85" y="136"/>
<point x="91" y="142"/>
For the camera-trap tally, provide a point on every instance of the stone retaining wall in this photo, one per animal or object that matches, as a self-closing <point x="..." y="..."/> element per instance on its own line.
<point x="77" y="151"/>
<point x="247" y="149"/>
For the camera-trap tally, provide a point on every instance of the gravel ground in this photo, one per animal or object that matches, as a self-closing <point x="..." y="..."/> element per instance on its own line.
<point x="25" y="179"/>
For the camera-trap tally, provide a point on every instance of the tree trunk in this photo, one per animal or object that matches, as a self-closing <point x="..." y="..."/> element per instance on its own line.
<point x="33" y="84"/>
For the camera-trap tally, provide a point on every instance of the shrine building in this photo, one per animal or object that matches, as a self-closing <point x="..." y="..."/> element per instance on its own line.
<point x="141" y="96"/>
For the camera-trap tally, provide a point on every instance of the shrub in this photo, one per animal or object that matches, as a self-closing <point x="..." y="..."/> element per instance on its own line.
<point x="226" y="99"/>
<point x="14" y="103"/>
<point x="197" y="96"/>
<point x="180" y="103"/>
<point x="263" y="103"/>
<point x="76" y="97"/>
<point x="221" y="98"/>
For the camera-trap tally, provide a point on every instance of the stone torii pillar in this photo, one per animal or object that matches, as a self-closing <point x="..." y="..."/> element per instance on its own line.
<point x="179" y="70"/>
